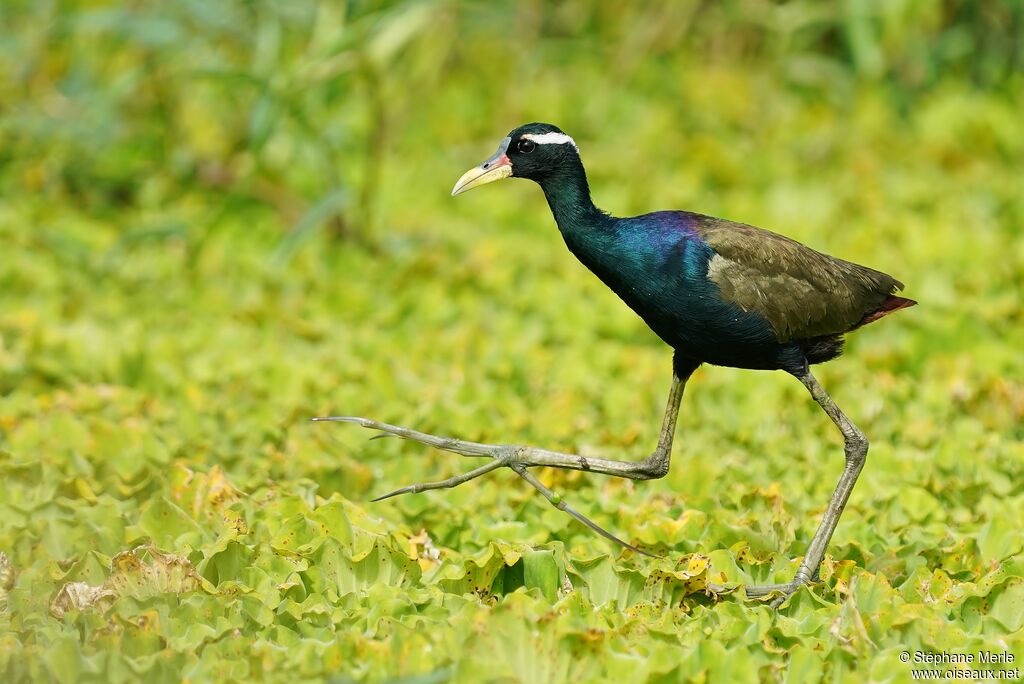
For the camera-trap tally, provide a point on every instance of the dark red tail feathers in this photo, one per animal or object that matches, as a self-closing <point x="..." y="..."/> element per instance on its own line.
<point x="893" y="303"/>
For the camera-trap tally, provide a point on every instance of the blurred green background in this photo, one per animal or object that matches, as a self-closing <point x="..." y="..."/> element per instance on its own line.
<point x="220" y="219"/>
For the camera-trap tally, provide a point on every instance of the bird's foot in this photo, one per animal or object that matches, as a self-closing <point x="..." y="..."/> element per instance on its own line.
<point x="501" y="455"/>
<point x="782" y="591"/>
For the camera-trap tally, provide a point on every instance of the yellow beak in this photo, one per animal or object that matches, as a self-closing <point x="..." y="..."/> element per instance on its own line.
<point x="497" y="167"/>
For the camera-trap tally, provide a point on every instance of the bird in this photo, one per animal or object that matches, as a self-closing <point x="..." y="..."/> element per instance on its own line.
<point x="717" y="292"/>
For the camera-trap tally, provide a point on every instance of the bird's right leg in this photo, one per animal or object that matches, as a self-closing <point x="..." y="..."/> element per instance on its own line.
<point x="856" y="449"/>
<point x="521" y="458"/>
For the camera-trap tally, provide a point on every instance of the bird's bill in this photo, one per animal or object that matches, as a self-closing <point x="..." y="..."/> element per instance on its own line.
<point x="497" y="167"/>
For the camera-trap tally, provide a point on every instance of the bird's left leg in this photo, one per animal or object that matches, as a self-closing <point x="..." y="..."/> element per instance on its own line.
<point x="521" y="458"/>
<point x="856" y="448"/>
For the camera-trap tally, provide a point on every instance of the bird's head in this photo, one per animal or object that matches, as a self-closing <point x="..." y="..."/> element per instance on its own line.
<point x="536" y="151"/>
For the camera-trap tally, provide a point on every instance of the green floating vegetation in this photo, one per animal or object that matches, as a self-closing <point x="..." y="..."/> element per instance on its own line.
<point x="276" y="582"/>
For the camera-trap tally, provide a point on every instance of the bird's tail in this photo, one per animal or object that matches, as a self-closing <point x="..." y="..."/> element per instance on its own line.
<point x="893" y="303"/>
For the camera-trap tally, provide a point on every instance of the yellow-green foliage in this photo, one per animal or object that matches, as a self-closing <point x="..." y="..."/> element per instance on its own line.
<point x="220" y="219"/>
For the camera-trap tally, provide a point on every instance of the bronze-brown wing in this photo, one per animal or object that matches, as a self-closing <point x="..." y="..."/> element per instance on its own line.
<point x="802" y="293"/>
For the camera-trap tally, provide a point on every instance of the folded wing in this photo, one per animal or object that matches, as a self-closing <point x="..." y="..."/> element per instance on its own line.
<point x="802" y="293"/>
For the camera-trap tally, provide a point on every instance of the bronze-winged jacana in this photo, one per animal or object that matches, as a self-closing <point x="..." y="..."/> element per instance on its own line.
<point x="717" y="292"/>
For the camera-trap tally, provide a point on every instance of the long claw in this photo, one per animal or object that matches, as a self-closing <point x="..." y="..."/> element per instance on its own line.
<point x="411" y="489"/>
<point x="561" y="505"/>
<point x="605" y="533"/>
<point x="760" y="590"/>
<point x="453" y="481"/>
<point x="383" y="435"/>
<point x="456" y="446"/>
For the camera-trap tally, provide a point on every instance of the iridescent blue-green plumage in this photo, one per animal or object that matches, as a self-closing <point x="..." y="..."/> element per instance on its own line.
<point x="717" y="291"/>
<point x="658" y="265"/>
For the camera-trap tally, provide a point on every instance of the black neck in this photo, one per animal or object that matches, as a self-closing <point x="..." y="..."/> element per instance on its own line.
<point x="568" y="195"/>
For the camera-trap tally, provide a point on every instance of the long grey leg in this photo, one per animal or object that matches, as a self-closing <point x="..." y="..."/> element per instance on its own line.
<point x="520" y="458"/>
<point x="856" y="448"/>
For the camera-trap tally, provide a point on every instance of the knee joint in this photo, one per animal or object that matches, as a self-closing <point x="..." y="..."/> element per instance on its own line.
<point x="655" y="466"/>
<point x="856" y="448"/>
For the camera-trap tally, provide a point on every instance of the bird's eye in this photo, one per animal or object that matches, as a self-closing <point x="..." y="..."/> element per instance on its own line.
<point x="526" y="146"/>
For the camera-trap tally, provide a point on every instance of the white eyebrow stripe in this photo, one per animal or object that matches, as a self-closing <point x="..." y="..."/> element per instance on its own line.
<point x="551" y="139"/>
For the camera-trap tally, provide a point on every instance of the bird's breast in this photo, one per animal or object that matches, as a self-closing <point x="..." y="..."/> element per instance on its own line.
<point x="663" y="276"/>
